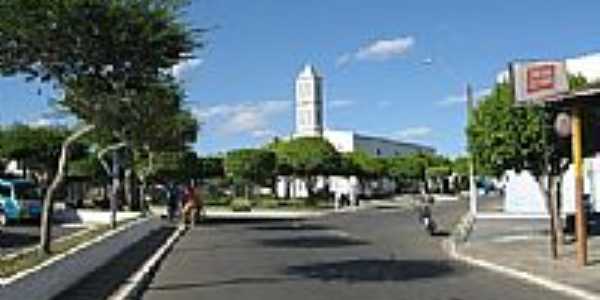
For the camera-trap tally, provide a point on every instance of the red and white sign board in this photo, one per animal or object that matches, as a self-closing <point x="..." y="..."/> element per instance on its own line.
<point x="536" y="80"/>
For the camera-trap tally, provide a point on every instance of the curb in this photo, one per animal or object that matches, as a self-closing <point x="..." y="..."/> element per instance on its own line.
<point x="450" y="245"/>
<point x="134" y="286"/>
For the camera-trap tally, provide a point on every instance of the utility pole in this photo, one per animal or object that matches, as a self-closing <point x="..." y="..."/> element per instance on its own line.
<point x="472" y="183"/>
<point x="580" y="217"/>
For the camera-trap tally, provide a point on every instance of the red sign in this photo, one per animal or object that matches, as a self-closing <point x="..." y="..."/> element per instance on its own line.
<point x="540" y="78"/>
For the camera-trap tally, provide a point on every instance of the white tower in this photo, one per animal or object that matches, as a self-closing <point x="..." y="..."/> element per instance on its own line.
<point x="309" y="103"/>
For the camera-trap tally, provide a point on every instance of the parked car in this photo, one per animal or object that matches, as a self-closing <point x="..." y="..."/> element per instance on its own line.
<point x="19" y="200"/>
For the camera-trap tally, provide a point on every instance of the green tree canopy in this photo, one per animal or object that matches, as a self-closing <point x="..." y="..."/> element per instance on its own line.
<point x="503" y="136"/>
<point x="250" y="166"/>
<point x="36" y="148"/>
<point x="365" y="165"/>
<point x="461" y="166"/>
<point x="307" y="156"/>
<point x="100" y="53"/>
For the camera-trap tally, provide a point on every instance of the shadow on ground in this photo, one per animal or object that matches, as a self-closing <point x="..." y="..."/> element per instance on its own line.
<point x="312" y="242"/>
<point x="18" y="240"/>
<point x="367" y="270"/>
<point x="225" y="221"/>
<point x="219" y="283"/>
<point x="441" y="233"/>
<point x="291" y="227"/>
<point x="103" y="282"/>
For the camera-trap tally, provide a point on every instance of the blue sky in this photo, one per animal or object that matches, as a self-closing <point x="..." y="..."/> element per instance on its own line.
<point x="391" y="68"/>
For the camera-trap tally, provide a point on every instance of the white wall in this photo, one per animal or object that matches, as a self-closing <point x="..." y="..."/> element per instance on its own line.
<point x="343" y="141"/>
<point x="591" y="184"/>
<point x="524" y="196"/>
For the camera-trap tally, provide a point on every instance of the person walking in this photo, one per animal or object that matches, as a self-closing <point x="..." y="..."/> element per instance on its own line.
<point x="191" y="204"/>
<point x="172" y="201"/>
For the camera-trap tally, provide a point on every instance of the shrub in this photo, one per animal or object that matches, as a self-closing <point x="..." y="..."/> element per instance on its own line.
<point x="268" y="203"/>
<point x="218" y="201"/>
<point x="241" y="205"/>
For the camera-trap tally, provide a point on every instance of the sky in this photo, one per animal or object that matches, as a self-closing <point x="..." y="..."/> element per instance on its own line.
<point x="395" y="69"/>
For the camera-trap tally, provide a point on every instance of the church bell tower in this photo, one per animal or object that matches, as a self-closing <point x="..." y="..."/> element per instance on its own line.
<point x="309" y="103"/>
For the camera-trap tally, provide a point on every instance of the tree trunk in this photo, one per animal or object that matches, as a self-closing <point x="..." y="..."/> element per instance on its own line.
<point x="46" y="223"/>
<point x="557" y="202"/>
<point x="128" y="189"/>
<point x="546" y="193"/>
<point x="115" y="190"/>
<point x="556" y="222"/>
<point x="142" y="196"/>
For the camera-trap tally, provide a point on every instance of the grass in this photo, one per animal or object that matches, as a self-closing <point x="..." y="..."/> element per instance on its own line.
<point x="32" y="257"/>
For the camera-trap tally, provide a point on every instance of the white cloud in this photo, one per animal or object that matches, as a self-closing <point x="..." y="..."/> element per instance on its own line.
<point x="185" y="66"/>
<point x="340" y="103"/>
<point x="52" y="119"/>
<point x="385" y="49"/>
<point x="414" y="133"/>
<point x="344" y="59"/>
<point x="254" y="118"/>
<point x="461" y="99"/>
<point x="427" y="61"/>
<point x="379" y="50"/>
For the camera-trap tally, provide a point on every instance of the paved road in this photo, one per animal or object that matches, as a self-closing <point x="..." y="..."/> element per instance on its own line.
<point x="18" y="236"/>
<point x="372" y="254"/>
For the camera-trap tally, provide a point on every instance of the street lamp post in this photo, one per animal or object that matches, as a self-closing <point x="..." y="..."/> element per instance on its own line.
<point x="472" y="183"/>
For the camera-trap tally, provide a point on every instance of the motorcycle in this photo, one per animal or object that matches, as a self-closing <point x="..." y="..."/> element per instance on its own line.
<point x="426" y="220"/>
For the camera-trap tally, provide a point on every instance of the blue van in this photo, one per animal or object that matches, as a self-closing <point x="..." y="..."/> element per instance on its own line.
<point x="19" y="200"/>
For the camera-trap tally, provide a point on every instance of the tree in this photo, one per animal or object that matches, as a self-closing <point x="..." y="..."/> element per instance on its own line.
<point x="461" y="167"/>
<point x="503" y="137"/>
<point x="34" y="148"/>
<point x="210" y="167"/>
<point x="98" y="52"/>
<point x="366" y="166"/>
<point x="250" y="167"/>
<point x="307" y="158"/>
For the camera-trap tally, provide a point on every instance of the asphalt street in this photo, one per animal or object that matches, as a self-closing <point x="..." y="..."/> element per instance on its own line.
<point x="380" y="253"/>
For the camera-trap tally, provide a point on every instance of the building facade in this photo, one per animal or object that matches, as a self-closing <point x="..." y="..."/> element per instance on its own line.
<point x="349" y="141"/>
<point x="309" y="103"/>
<point x="310" y="123"/>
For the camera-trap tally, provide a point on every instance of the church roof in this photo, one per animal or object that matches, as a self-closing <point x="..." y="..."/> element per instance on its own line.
<point x="309" y="71"/>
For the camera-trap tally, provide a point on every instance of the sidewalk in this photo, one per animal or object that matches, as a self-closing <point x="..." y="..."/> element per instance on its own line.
<point x="107" y="280"/>
<point x="521" y="248"/>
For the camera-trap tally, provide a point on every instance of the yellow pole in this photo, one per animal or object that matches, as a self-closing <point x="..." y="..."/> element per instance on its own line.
<point x="580" y="217"/>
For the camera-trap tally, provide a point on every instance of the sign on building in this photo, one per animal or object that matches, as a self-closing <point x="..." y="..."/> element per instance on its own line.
<point x="536" y="81"/>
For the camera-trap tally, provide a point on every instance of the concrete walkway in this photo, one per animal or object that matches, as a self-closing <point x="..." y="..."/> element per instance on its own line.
<point x="522" y="246"/>
<point x="105" y="281"/>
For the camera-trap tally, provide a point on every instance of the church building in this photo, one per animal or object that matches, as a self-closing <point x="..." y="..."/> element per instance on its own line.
<point x="310" y="122"/>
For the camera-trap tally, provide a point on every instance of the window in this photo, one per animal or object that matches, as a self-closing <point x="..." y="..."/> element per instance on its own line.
<point x="27" y="191"/>
<point x="4" y="191"/>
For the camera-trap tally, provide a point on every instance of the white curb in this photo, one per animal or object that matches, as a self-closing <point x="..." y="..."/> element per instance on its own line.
<point x="133" y="287"/>
<point x="565" y="289"/>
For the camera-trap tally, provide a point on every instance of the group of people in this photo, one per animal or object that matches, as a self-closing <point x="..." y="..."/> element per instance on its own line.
<point x="185" y="201"/>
